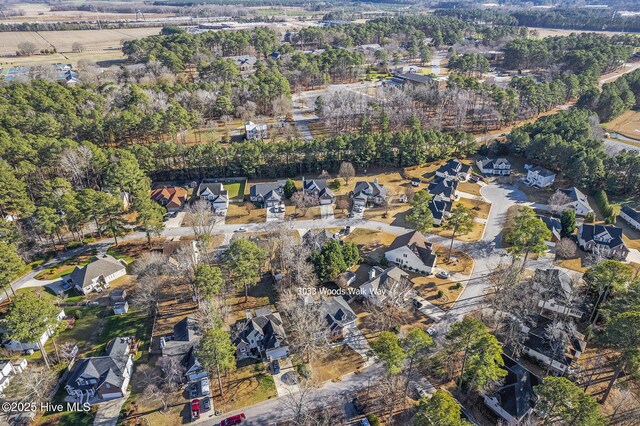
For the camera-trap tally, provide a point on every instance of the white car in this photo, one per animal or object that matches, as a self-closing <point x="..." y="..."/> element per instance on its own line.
<point x="443" y="274"/>
<point x="241" y="229"/>
<point x="430" y="331"/>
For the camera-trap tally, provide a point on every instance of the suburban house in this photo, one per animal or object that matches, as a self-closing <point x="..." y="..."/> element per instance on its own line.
<point x="555" y="226"/>
<point x="382" y="282"/>
<point x="367" y="193"/>
<point x="103" y="378"/>
<point x="556" y="292"/>
<point x="443" y="189"/>
<point x="254" y="132"/>
<point x="579" y="202"/>
<point x="545" y="343"/>
<point x="8" y="369"/>
<point x="261" y="336"/>
<point x="319" y="188"/>
<point x="411" y="251"/>
<point x="440" y="210"/>
<point x="339" y="316"/>
<point x="515" y="399"/>
<point x="454" y="169"/>
<point x="316" y="240"/>
<point x="602" y="239"/>
<point x="214" y="193"/>
<point x="171" y="198"/>
<point x="497" y="167"/>
<point x="244" y="62"/>
<point x="186" y="335"/>
<point x="631" y="216"/>
<point x="17" y="346"/>
<point x="98" y="274"/>
<point x="267" y="194"/>
<point x="539" y="177"/>
<point x="399" y="80"/>
<point x="182" y="343"/>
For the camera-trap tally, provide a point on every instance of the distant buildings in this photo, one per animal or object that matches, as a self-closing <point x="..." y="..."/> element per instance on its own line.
<point x="254" y="132"/>
<point x="497" y="167"/>
<point x="631" y="216"/>
<point x="63" y="73"/>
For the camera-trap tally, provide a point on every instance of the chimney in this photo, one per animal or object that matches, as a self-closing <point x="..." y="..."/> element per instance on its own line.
<point x="247" y="313"/>
<point x="372" y="273"/>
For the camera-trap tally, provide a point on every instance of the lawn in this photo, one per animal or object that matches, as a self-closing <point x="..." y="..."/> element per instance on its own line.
<point x="469" y="188"/>
<point x="85" y="330"/>
<point x="235" y="190"/>
<point x="70" y="418"/>
<point x="245" y="213"/>
<point x="335" y="364"/>
<point x="131" y="250"/>
<point x="371" y="243"/>
<point x="293" y="212"/>
<point x="250" y="384"/>
<point x="395" y="215"/>
<point x="429" y="286"/>
<point x="480" y="209"/>
<point x="66" y="267"/>
<point x="474" y="235"/>
<point x="459" y="263"/>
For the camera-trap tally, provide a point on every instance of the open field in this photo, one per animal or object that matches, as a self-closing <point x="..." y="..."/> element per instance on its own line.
<point x="92" y="40"/>
<point x="550" y="32"/>
<point x="628" y="124"/>
<point x="42" y="13"/>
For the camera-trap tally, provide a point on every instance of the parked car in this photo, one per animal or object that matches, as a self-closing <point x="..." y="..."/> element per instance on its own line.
<point x="206" y="405"/>
<point x="233" y="420"/>
<point x="193" y="392"/>
<point x="195" y="409"/>
<point x="474" y="179"/>
<point x="431" y="331"/>
<point x="241" y="229"/>
<point x="92" y="304"/>
<point x="275" y="366"/>
<point x="204" y="386"/>
<point x="358" y="406"/>
<point x="415" y="182"/>
<point x="443" y="274"/>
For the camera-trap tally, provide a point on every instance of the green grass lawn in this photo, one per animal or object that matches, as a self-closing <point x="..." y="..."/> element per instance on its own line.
<point x="115" y="252"/>
<point x="63" y="268"/>
<point x="235" y="189"/>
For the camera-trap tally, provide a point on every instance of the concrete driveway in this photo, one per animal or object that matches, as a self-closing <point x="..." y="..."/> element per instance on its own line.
<point x="326" y="211"/>
<point x="428" y="309"/>
<point x="108" y="412"/>
<point x="286" y="380"/>
<point x="175" y="222"/>
<point x="356" y="341"/>
<point x="274" y="215"/>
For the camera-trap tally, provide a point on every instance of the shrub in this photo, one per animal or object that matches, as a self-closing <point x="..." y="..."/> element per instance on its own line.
<point x="590" y="218"/>
<point x="458" y="286"/>
<point x="440" y="294"/>
<point x="336" y="184"/>
<point x="77" y="314"/>
<point x="303" y="370"/>
<point x="74" y="244"/>
<point x="602" y="201"/>
<point x="373" y="420"/>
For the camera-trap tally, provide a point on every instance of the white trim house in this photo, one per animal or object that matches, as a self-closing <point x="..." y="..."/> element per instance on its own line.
<point x="412" y="252"/>
<point x="497" y="167"/>
<point x="631" y="216"/>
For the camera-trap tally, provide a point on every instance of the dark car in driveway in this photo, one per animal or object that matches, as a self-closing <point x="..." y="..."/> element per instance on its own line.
<point x="357" y="406"/>
<point x="275" y="367"/>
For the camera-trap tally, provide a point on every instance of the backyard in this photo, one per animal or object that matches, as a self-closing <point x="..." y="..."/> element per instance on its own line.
<point x="66" y="267"/>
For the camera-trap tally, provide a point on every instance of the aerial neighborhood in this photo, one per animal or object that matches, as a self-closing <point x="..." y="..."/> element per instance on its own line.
<point x="312" y="214"/>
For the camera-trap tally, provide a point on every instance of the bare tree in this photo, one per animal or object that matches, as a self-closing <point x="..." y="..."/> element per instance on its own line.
<point x="68" y="350"/>
<point x="304" y="201"/>
<point x="558" y="200"/>
<point x="202" y="217"/>
<point x="308" y="329"/>
<point x="33" y="384"/>
<point x="409" y="192"/>
<point x="77" y="47"/>
<point x="388" y="305"/>
<point x="390" y="389"/>
<point x="346" y="172"/>
<point x="343" y="204"/>
<point x="299" y="404"/>
<point x="291" y="257"/>
<point x="77" y="165"/>
<point x="566" y="249"/>
<point x="27" y="48"/>
<point x="172" y="372"/>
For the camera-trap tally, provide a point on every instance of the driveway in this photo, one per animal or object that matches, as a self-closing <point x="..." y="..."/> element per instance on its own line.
<point x="108" y="412"/>
<point x="175" y="222"/>
<point x="429" y="309"/>
<point x="274" y="215"/>
<point x="326" y="211"/>
<point x="356" y="341"/>
<point x="286" y="380"/>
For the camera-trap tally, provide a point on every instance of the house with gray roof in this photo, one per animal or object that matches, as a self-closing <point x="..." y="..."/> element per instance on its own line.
<point x="381" y="282"/>
<point x="412" y="252"/>
<point x="339" y="316"/>
<point x="98" y="274"/>
<point x="578" y="201"/>
<point x="319" y="188"/>
<point x="555" y="288"/>
<point x="443" y="189"/>
<point x="454" y="169"/>
<point x="440" y="210"/>
<point x="216" y="194"/>
<point x="603" y="239"/>
<point x="631" y="216"/>
<point x="103" y="378"/>
<point x="261" y="336"/>
<point x="186" y="334"/>
<point x="539" y="177"/>
<point x="268" y="194"/>
<point x="366" y="193"/>
<point x="495" y="167"/>
<point x="244" y="62"/>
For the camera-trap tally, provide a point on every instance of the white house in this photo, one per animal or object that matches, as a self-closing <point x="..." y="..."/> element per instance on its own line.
<point x="382" y="282"/>
<point x="454" y="169"/>
<point x="216" y="194"/>
<point x="339" y="316"/>
<point x="579" y="202"/>
<point x="606" y="240"/>
<point x="631" y="216"/>
<point x="412" y="252"/>
<point x="98" y="274"/>
<point x="497" y="167"/>
<point x="253" y="131"/>
<point x="539" y="177"/>
<point x="8" y="369"/>
<point x="16" y="346"/>
<point x="261" y="337"/>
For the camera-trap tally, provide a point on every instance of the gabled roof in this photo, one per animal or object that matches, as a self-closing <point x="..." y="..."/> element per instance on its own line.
<point x="553" y="225"/>
<point x="542" y="171"/>
<point x="632" y="213"/>
<point x="105" y="369"/>
<point x="488" y="163"/>
<point x="186" y="335"/>
<point x="337" y="312"/>
<point x="538" y="339"/>
<point x="316" y="240"/>
<point x="385" y="278"/>
<point x="413" y="77"/>
<point x="103" y="265"/>
<point x="269" y="326"/>
<point x="575" y="194"/>
<point x="453" y="167"/>
<point x="439" y="208"/>
<point x="370" y="189"/>
<point x="314" y="184"/>
<point x="516" y="396"/>
<point x="213" y="188"/>
<point x="594" y="233"/>
<point x="443" y="187"/>
<point x="417" y="243"/>
<point x="261" y="189"/>
<point x="170" y="196"/>
<point x="554" y="282"/>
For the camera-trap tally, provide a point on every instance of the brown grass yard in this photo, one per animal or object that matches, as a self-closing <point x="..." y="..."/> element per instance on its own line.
<point x="460" y="262"/>
<point x="239" y="213"/>
<point x="293" y="212"/>
<point x="469" y="188"/>
<point x="428" y="287"/>
<point x="395" y="215"/>
<point x="371" y="243"/>
<point x="627" y="124"/>
<point x="479" y="209"/>
<point x="366" y="323"/>
<point x="260" y="295"/>
<point x="250" y="384"/>
<point x="474" y="235"/>
<point x="66" y="267"/>
<point x="335" y="364"/>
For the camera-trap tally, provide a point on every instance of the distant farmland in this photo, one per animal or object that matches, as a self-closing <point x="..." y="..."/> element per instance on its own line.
<point x="92" y="40"/>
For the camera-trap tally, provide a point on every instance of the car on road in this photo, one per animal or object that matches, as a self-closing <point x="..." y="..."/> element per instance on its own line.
<point x="357" y="406"/>
<point x="206" y="405"/>
<point x="195" y="409"/>
<point x="417" y="303"/>
<point x="233" y="420"/>
<point x="193" y="391"/>
<point x="275" y="366"/>
<point x="443" y="274"/>
<point x="241" y="229"/>
<point x="431" y="331"/>
<point x="93" y="304"/>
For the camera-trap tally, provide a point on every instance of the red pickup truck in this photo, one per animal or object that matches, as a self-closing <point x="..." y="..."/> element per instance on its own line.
<point x="233" y="420"/>
<point x="195" y="409"/>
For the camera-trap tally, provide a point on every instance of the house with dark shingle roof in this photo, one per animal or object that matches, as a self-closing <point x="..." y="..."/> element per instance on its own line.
<point x="186" y="334"/>
<point x="578" y="201"/>
<point x="103" y="378"/>
<point x="554" y="225"/>
<point x="454" y="169"/>
<point x="495" y="167"/>
<point x="602" y="239"/>
<point x="440" y="210"/>
<point x="98" y="274"/>
<point x="412" y="252"/>
<point x="515" y="399"/>
<point x="339" y="316"/>
<point x="366" y="193"/>
<point x="555" y="288"/>
<point x="215" y="193"/>
<point x="268" y="194"/>
<point x="319" y="188"/>
<point x="539" y="177"/>
<point x="443" y="189"/>
<point x="631" y="216"/>
<point x="382" y="282"/>
<point x="261" y="336"/>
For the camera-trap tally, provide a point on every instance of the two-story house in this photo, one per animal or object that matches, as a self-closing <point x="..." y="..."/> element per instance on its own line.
<point x="494" y="167"/>
<point x="339" y="316"/>
<point x="103" y="378"/>
<point x="369" y="193"/>
<point x="454" y="169"/>
<point x="443" y="189"/>
<point x="603" y="239"/>
<point x="539" y="177"/>
<point x="556" y="292"/>
<point x="98" y="274"/>
<point x="268" y="194"/>
<point x="319" y="188"/>
<point x="382" y="282"/>
<point x="9" y="369"/>
<point x="216" y="194"/>
<point x="412" y="252"/>
<point x="182" y="343"/>
<point x="440" y="210"/>
<point x="577" y="201"/>
<point x="261" y="336"/>
<point x="254" y="132"/>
